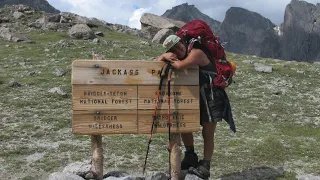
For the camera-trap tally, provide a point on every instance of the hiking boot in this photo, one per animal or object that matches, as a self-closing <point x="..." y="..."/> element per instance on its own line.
<point x="202" y="170"/>
<point x="190" y="160"/>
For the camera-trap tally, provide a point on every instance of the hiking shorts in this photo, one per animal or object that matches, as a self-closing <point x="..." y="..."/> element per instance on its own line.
<point x="211" y="104"/>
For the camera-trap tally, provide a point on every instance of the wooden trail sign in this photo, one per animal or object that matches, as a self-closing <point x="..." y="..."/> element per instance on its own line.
<point x="119" y="96"/>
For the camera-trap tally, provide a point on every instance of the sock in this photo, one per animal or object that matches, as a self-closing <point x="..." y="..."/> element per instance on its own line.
<point x="190" y="149"/>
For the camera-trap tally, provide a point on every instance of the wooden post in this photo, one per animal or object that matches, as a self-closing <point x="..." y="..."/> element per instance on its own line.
<point x="175" y="156"/>
<point x="97" y="157"/>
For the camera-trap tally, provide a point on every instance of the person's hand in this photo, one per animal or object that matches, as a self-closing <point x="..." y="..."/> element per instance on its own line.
<point x="169" y="56"/>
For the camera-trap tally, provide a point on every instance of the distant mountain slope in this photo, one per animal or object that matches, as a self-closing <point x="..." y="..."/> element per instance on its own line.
<point x="185" y="13"/>
<point x="41" y="5"/>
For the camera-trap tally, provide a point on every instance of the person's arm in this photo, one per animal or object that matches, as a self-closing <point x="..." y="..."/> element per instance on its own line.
<point x="167" y="56"/>
<point x="195" y="58"/>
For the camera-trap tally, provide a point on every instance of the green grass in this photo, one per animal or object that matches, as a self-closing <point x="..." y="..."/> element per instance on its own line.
<point x="277" y="114"/>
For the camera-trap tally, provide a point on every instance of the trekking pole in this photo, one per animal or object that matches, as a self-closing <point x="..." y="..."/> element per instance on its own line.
<point x="154" y="117"/>
<point x="169" y="120"/>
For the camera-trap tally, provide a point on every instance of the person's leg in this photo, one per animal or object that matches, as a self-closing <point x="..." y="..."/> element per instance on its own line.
<point x="203" y="168"/>
<point x="213" y="105"/>
<point x="190" y="157"/>
<point x="208" y="140"/>
<point x="187" y="139"/>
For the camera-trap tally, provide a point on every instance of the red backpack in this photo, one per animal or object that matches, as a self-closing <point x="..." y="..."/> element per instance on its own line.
<point x="199" y="31"/>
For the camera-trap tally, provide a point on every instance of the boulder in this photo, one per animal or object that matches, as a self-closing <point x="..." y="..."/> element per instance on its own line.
<point x="14" y="84"/>
<point x="18" y="15"/>
<point x="160" y="176"/>
<point x="64" y="176"/>
<point x="78" y="168"/>
<point x="262" y="68"/>
<point x="9" y="35"/>
<point x="54" y="18"/>
<point x="117" y="174"/>
<point x="192" y="177"/>
<point x="162" y="35"/>
<point x="308" y="177"/>
<point x="152" y="24"/>
<point x="72" y="18"/>
<point x="81" y="31"/>
<point x="4" y="20"/>
<point x="58" y="90"/>
<point x="99" y="33"/>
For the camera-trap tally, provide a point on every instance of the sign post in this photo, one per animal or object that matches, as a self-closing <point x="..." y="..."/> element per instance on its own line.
<point x="118" y="97"/>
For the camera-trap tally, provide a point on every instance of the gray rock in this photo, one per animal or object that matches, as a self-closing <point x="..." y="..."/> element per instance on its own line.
<point x="124" y="178"/>
<point x="4" y="20"/>
<point x="96" y="40"/>
<point x="118" y="178"/>
<point x="248" y="61"/>
<point x="78" y="168"/>
<point x="192" y="177"/>
<point x="51" y="26"/>
<point x="54" y="18"/>
<point x="18" y="15"/>
<point x="116" y="174"/>
<point x="59" y="72"/>
<point x="134" y="32"/>
<point x="162" y="35"/>
<point x="81" y="31"/>
<point x="64" y="176"/>
<point x="29" y="12"/>
<point x="126" y="51"/>
<point x="57" y="90"/>
<point x="262" y="68"/>
<point x="160" y="176"/>
<point x="67" y="17"/>
<point x="151" y="24"/>
<point x="14" y="84"/>
<point x="22" y="7"/>
<point x="99" y="33"/>
<point x="308" y="177"/>
<point x="32" y="73"/>
<point x="64" y="19"/>
<point x="9" y="35"/>
<point x="89" y="175"/>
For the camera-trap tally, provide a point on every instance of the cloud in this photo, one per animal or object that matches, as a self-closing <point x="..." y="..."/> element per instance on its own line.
<point x="117" y="12"/>
<point x="134" y="20"/>
<point x="128" y="12"/>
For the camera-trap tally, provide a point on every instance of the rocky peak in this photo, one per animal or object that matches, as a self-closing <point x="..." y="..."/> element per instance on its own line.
<point x="248" y="32"/>
<point x="41" y="5"/>
<point x="186" y="13"/>
<point x="241" y="16"/>
<point x="301" y="31"/>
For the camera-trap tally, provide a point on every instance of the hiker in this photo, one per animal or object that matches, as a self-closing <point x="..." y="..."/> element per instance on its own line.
<point x="214" y="102"/>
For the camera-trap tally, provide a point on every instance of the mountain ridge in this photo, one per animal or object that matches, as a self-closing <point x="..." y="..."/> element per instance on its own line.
<point x="41" y="5"/>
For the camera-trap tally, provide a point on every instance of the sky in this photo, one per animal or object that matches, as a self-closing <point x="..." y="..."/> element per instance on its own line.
<point x="128" y="12"/>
